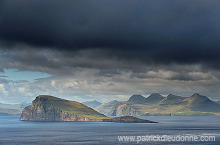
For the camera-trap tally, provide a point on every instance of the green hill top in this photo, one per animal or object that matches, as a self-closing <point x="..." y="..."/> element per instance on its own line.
<point x="71" y="107"/>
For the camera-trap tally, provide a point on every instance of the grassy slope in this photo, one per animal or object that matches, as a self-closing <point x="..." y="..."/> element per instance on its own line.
<point x="74" y="107"/>
<point x="169" y="109"/>
<point x="172" y="100"/>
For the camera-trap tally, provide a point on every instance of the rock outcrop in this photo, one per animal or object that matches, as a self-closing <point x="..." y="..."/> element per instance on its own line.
<point x="124" y="109"/>
<point x="131" y="119"/>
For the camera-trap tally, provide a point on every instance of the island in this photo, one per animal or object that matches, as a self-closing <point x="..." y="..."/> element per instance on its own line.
<point x="50" y="108"/>
<point x="130" y="119"/>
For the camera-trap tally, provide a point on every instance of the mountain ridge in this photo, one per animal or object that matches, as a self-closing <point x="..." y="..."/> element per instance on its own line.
<point x="196" y="104"/>
<point x="203" y="103"/>
<point x="136" y="99"/>
<point x="154" y="98"/>
<point x="172" y="100"/>
<point x="92" y="104"/>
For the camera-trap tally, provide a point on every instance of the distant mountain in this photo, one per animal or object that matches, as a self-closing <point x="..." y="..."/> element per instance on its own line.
<point x="2" y="104"/>
<point x="218" y="101"/>
<point x="5" y="111"/>
<point x="138" y="99"/>
<point x="49" y="108"/>
<point x="172" y="100"/>
<point x="12" y="109"/>
<point x="92" y="104"/>
<point x="198" y="102"/>
<point x="153" y="98"/>
<point x="106" y="108"/>
<point x="156" y="104"/>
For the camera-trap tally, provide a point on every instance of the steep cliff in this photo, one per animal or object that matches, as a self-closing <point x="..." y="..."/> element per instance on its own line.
<point x="125" y="109"/>
<point x="106" y="108"/>
<point x="49" y="108"/>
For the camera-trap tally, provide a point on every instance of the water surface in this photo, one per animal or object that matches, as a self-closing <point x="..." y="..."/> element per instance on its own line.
<point x="15" y="132"/>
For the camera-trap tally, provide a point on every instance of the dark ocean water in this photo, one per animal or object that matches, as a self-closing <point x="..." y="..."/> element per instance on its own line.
<point x="15" y="132"/>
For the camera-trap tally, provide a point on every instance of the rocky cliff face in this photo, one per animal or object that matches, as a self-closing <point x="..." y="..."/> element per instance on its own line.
<point x="125" y="109"/>
<point x="30" y="114"/>
<point x="41" y="114"/>
<point x="107" y="107"/>
<point x="43" y="109"/>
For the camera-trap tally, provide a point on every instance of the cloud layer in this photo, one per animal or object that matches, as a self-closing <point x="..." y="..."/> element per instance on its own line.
<point x="162" y="31"/>
<point x="110" y="49"/>
<point x="95" y="74"/>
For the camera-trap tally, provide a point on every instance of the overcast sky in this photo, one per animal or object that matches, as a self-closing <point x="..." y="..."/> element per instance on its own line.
<point x="108" y="49"/>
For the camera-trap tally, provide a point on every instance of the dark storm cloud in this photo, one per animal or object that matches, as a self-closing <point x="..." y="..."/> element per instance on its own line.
<point x="104" y="63"/>
<point x="66" y="62"/>
<point x="156" y="31"/>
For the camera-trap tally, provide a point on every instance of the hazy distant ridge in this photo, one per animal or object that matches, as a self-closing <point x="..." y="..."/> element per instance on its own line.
<point x="157" y="104"/>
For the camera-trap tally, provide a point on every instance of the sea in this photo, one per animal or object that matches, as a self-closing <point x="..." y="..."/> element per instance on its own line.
<point x="170" y="130"/>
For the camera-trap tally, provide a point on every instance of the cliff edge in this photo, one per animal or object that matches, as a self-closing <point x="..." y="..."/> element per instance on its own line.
<point x="49" y="108"/>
